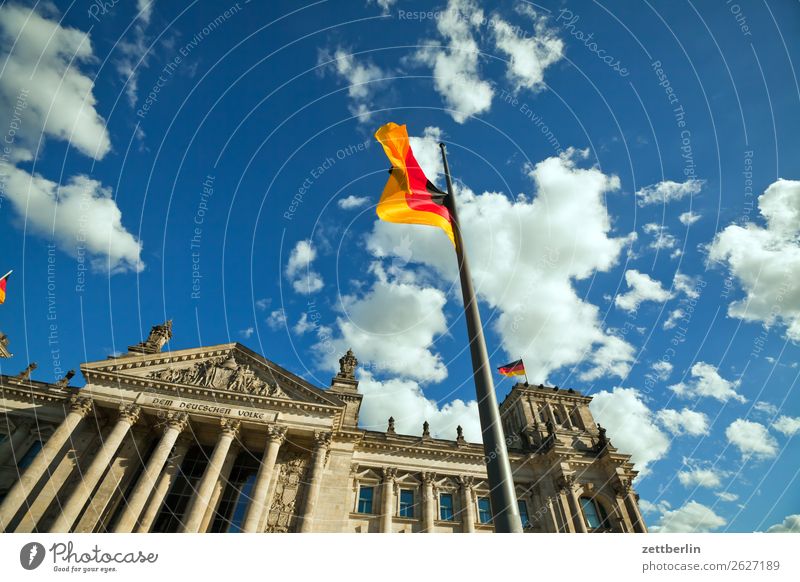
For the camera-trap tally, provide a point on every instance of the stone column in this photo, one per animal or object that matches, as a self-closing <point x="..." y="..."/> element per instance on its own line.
<point x="429" y="502"/>
<point x="175" y="423"/>
<point x="128" y="415"/>
<point x="199" y="504"/>
<point x="567" y="419"/>
<point x="10" y="449"/>
<point x="575" y="504"/>
<point x="550" y="415"/>
<point x="322" y="441"/>
<point x="387" y="499"/>
<point x="633" y="509"/>
<point x="18" y="494"/>
<point x="467" y="504"/>
<point x="164" y="484"/>
<point x="276" y="434"/>
<point x="219" y="488"/>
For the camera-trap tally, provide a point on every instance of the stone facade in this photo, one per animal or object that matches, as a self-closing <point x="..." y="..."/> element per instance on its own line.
<point x="221" y="439"/>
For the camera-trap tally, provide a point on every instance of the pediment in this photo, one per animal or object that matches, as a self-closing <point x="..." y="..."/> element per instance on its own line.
<point x="227" y="368"/>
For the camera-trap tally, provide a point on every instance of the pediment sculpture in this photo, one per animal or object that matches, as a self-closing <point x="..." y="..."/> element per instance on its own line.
<point x="223" y="373"/>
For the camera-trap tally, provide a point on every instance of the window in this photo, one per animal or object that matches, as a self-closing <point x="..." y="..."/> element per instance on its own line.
<point x="406" y="503"/>
<point x="484" y="510"/>
<point x="523" y="513"/>
<point x="28" y="457"/>
<point x="446" y="507"/>
<point x="594" y="513"/>
<point x="365" y="496"/>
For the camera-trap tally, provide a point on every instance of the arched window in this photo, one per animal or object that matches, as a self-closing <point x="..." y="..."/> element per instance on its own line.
<point x="594" y="513"/>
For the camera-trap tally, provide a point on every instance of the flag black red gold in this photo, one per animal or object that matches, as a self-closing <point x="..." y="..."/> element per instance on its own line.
<point x="3" y="281"/>
<point x="409" y="197"/>
<point x="516" y="368"/>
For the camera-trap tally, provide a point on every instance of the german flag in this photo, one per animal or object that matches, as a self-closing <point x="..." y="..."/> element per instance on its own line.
<point x="409" y="197"/>
<point x="516" y="368"/>
<point x="3" y="281"/>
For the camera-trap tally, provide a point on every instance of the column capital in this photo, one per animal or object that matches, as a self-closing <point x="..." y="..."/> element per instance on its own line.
<point x="623" y="488"/>
<point x="389" y="474"/>
<point x="466" y="481"/>
<point x="80" y="404"/>
<point x="322" y="440"/>
<point x="129" y="413"/>
<point x="175" y="420"/>
<point x="230" y="427"/>
<point x="567" y="483"/>
<point x="428" y="476"/>
<point x="276" y="433"/>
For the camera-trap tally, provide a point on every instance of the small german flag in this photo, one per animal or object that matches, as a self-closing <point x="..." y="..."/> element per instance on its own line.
<point x="409" y="197"/>
<point x="516" y="368"/>
<point x="3" y="281"/>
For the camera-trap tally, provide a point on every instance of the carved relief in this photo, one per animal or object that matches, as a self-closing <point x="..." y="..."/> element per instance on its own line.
<point x="286" y="499"/>
<point x="221" y="373"/>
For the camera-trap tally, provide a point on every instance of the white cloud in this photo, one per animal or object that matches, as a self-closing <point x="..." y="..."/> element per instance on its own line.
<point x="701" y="477"/>
<point x="686" y="421"/>
<point x="44" y="94"/>
<point x="787" y="425"/>
<point x="405" y="401"/>
<point x="674" y="317"/>
<point x="384" y="5"/>
<point x="455" y="65"/>
<point x="726" y="496"/>
<point x="82" y="217"/>
<point x="641" y="288"/>
<point x="765" y="407"/>
<point x="362" y="80"/>
<point x="631" y="426"/>
<point x="693" y="517"/>
<point x="662" y="369"/>
<point x="649" y="507"/>
<point x="351" y="202"/>
<point x="263" y="303"/>
<point x="392" y="327"/>
<point x="247" y="333"/>
<point x="668" y="191"/>
<point x="662" y="239"/>
<point x="766" y="261"/>
<point x="304" y="279"/>
<point x="135" y="51"/>
<point x="751" y="438"/>
<point x="277" y="319"/>
<point x="790" y="524"/>
<point x="689" y="218"/>
<point x="44" y="62"/>
<point x="689" y="286"/>
<point x="303" y="325"/>
<point x="525" y="256"/>
<point x="528" y="55"/>
<point x="707" y="382"/>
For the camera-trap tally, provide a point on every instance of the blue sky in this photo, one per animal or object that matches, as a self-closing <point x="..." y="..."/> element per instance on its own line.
<point x="626" y="177"/>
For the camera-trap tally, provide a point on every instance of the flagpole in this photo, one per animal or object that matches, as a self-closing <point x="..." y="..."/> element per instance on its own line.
<point x="526" y="371"/>
<point x="501" y="480"/>
<point x="6" y="275"/>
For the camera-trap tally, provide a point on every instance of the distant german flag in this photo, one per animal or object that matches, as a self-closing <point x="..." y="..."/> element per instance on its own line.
<point x="516" y="368"/>
<point x="3" y="282"/>
<point x="409" y="197"/>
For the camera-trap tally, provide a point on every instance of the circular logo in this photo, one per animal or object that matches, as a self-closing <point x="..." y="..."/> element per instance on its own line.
<point x="31" y="555"/>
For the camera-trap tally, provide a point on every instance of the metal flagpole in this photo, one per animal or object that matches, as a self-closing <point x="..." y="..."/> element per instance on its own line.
<point x="526" y="371"/>
<point x="501" y="481"/>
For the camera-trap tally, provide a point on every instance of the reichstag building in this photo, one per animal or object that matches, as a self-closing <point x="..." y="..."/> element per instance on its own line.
<point x="220" y="439"/>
